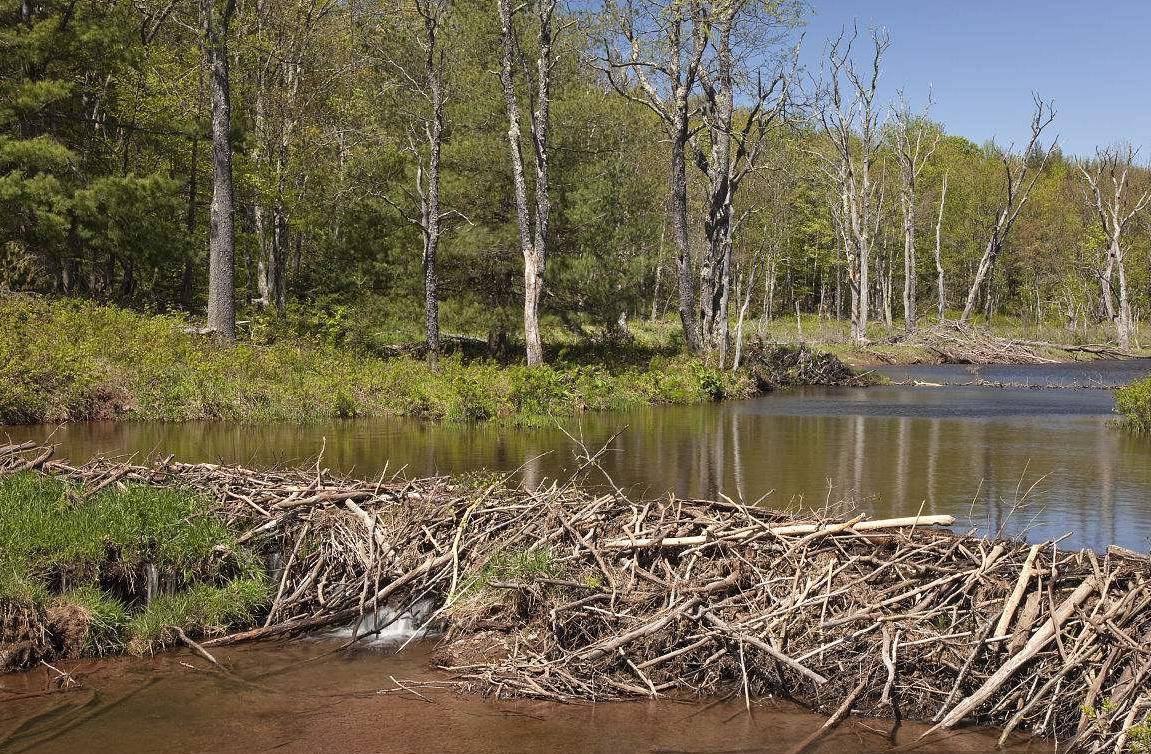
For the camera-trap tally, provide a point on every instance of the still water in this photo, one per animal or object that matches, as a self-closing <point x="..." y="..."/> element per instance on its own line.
<point x="301" y="698"/>
<point x="1034" y="462"/>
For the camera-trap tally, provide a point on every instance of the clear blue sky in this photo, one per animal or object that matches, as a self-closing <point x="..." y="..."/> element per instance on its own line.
<point x="983" y="58"/>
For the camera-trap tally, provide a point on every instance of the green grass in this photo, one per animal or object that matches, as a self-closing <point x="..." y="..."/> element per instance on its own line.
<point x="69" y="360"/>
<point x="1134" y="403"/>
<point x="60" y="549"/>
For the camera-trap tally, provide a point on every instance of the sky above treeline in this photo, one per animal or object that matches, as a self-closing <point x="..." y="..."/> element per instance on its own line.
<point x="982" y="59"/>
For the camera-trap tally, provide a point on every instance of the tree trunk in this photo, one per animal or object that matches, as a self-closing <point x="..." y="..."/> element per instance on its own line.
<point x="684" y="266"/>
<point x="910" y="270"/>
<point x="222" y="232"/>
<point x="532" y="244"/>
<point x="1107" y="282"/>
<point x="431" y="209"/>
<point x="715" y="271"/>
<point x="1124" y="322"/>
<point x="986" y="263"/>
<point x="941" y="291"/>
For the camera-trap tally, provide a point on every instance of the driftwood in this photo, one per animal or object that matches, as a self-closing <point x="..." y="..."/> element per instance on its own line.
<point x="580" y="596"/>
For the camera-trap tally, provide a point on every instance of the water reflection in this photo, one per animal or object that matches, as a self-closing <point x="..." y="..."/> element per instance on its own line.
<point x="966" y="451"/>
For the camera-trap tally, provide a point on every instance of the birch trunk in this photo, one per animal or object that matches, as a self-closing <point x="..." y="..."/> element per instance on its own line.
<point x="941" y="291"/>
<point x="532" y="236"/>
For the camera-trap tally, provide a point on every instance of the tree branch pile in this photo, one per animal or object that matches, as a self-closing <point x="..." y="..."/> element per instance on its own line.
<point x="561" y="594"/>
<point x="776" y="365"/>
<point x="954" y="342"/>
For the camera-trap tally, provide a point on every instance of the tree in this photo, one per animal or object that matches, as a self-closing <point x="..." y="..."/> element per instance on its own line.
<point x="1109" y="195"/>
<point x="1016" y="190"/>
<point x="851" y="120"/>
<point x="215" y="25"/>
<point x="653" y="56"/>
<point x="426" y="134"/>
<point x="940" y="288"/>
<point x="913" y="146"/>
<point x="731" y="155"/>
<point x="532" y="223"/>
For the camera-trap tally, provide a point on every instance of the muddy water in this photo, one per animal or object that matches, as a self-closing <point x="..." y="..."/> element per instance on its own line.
<point x="1034" y="462"/>
<point x="300" y="697"/>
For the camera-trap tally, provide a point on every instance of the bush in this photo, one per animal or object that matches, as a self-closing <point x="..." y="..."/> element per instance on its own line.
<point x="1134" y="403"/>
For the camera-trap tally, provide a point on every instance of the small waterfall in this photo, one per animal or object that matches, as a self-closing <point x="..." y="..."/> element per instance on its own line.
<point x="390" y="626"/>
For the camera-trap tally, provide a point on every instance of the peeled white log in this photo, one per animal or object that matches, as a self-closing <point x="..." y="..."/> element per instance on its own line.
<point x="781" y="531"/>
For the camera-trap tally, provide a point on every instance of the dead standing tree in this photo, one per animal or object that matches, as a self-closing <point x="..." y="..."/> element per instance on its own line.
<point x="913" y="145"/>
<point x="653" y="54"/>
<point x="852" y="121"/>
<point x="940" y="288"/>
<point x="731" y="154"/>
<point x="424" y="23"/>
<point x="1017" y="190"/>
<point x="1108" y="194"/>
<point x="532" y="222"/>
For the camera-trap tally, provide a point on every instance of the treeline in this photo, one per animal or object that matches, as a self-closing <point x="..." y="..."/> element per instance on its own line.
<point x="585" y="163"/>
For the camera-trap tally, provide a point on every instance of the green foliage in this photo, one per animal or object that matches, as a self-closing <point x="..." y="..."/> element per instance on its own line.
<point x="202" y="608"/>
<point x="1134" y="403"/>
<point x="518" y="567"/>
<point x="48" y="533"/>
<point x="1139" y="738"/>
<point x="107" y="618"/>
<point x="87" y="555"/>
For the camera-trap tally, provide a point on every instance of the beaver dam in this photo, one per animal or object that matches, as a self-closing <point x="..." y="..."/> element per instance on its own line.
<point x="561" y="594"/>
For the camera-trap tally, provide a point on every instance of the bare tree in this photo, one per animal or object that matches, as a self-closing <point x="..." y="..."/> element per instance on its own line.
<point x="914" y="143"/>
<point x="532" y="225"/>
<point x="940" y="289"/>
<point x="1108" y="194"/>
<point x="427" y="78"/>
<point x="852" y="120"/>
<point x="215" y="26"/>
<point x="653" y="55"/>
<point x="731" y="154"/>
<point x="1017" y="189"/>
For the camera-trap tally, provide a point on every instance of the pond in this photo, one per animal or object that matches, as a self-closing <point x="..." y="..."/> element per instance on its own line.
<point x="1036" y="462"/>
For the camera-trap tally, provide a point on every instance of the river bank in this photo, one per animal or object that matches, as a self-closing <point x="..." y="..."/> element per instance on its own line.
<point x="67" y="360"/>
<point x="691" y="598"/>
<point x="71" y="360"/>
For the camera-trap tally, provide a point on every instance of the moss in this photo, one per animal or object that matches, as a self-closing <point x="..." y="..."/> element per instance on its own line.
<point x="1134" y="404"/>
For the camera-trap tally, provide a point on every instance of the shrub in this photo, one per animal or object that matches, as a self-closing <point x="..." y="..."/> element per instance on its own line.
<point x="1134" y="403"/>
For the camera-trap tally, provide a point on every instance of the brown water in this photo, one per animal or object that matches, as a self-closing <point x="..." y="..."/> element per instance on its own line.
<point x="974" y="452"/>
<point x="301" y="698"/>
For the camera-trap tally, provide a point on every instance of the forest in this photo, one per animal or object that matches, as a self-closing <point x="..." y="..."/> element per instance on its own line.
<point x="309" y="163"/>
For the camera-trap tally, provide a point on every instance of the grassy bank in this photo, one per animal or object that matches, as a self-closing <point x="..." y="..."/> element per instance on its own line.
<point x="78" y="566"/>
<point x="1134" y="403"/>
<point x="66" y="360"/>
